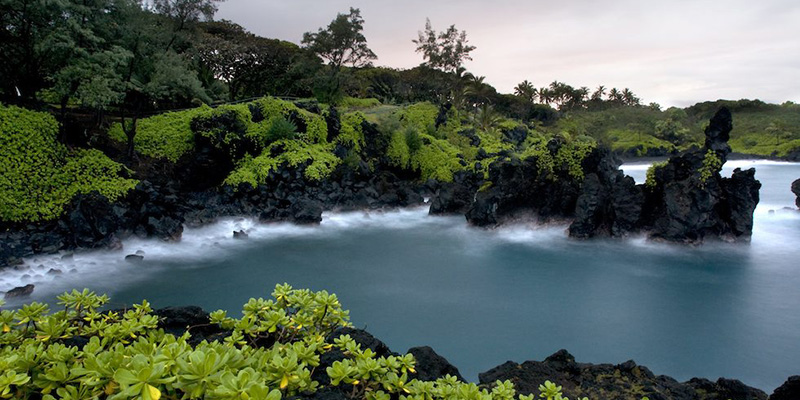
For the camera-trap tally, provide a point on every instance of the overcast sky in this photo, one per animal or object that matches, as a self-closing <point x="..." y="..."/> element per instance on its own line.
<point x="670" y="52"/>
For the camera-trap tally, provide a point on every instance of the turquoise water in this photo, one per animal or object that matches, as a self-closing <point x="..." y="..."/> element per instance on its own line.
<point x="481" y="298"/>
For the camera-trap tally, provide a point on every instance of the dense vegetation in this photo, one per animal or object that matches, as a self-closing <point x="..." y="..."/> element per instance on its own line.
<point x="39" y="175"/>
<point x="271" y="352"/>
<point x="153" y="76"/>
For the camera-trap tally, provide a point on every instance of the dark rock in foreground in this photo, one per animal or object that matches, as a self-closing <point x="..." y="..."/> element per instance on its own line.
<point x="607" y="381"/>
<point x="177" y="320"/>
<point x="596" y="381"/>
<point x="790" y="390"/>
<point x="431" y="366"/>
<point x="796" y="191"/>
<point x="21" y="291"/>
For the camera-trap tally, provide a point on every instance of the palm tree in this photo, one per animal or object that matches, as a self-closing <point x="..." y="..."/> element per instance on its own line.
<point x="629" y="98"/>
<point x="486" y="118"/>
<point x="527" y="91"/>
<point x="599" y="93"/>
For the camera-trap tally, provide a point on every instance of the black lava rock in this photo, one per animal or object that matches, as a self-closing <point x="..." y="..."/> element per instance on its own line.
<point x="21" y="291"/>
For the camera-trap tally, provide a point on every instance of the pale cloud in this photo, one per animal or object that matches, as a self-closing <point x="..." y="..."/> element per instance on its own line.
<point x="670" y="52"/>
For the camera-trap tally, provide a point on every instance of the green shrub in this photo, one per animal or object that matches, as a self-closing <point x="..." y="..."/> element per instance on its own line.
<point x="570" y="157"/>
<point x="712" y="163"/>
<point x="127" y="356"/>
<point x="398" y="151"/>
<point x="281" y="128"/>
<point x="351" y="134"/>
<point x="39" y="176"/>
<point x="167" y="135"/>
<point x="650" y="175"/>
<point x="318" y="159"/>
<point x="357" y="103"/>
<point x="436" y="159"/>
<point x="421" y="116"/>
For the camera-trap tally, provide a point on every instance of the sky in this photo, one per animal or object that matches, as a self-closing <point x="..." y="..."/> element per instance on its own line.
<point x="675" y="53"/>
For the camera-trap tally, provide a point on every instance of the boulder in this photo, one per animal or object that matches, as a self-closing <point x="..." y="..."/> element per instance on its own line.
<point x="134" y="258"/>
<point x="306" y="211"/>
<point x="455" y="197"/>
<point x="796" y="191"/>
<point x="21" y="291"/>
<point x="431" y="366"/>
<point x="790" y="390"/>
<point x="90" y="221"/>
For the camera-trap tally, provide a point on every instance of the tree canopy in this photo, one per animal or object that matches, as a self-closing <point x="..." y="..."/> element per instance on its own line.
<point x="446" y="50"/>
<point x="342" y="42"/>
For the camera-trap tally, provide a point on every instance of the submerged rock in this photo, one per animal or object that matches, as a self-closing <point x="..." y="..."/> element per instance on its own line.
<point x="240" y="234"/>
<point x="134" y="258"/>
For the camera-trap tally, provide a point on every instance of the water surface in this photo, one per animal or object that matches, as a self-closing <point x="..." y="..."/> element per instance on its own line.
<point x="481" y="297"/>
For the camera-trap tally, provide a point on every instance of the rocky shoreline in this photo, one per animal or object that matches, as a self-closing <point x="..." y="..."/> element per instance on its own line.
<point x="686" y="202"/>
<point x="627" y="380"/>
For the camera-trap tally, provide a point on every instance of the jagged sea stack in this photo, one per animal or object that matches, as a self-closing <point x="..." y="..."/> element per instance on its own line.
<point x="688" y="201"/>
<point x="796" y="191"/>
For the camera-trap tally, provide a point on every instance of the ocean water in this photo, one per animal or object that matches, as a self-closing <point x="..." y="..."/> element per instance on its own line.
<point x="482" y="297"/>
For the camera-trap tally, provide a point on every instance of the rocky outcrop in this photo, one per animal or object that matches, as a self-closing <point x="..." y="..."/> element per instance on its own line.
<point x="21" y="291"/>
<point x="610" y="203"/>
<point x="796" y="191"/>
<point x="603" y="381"/>
<point x="520" y="189"/>
<point x="455" y="197"/>
<point x="431" y="366"/>
<point x="790" y="390"/>
<point x="689" y="201"/>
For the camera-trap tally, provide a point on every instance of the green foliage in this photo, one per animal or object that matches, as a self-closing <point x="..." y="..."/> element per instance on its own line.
<point x="445" y="50"/>
<point x="351" y="134"/>
<point x="167" y="135"/>
<point x="712" y="164"/>
<point x="398" y="152"/>
<point x="421" y="116"/>
<point x="567" y="160"/>
<point x="359" y="103"/>
<point x="270" y="354"/>
<point x="39" y="176"/>
<point x="637" y="144"/>
<point x="318" y="160"/>
<point x="436" y="159"/>
<point x="280" y="128"/>
<point x="650" y="180"/>
<point x="570" y="157"/>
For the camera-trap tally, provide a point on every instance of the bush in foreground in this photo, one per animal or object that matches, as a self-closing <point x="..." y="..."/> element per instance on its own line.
<point x="271" y="352"/>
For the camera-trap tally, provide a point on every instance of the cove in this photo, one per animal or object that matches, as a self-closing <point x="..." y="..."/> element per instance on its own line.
<point x="481" y="297"/>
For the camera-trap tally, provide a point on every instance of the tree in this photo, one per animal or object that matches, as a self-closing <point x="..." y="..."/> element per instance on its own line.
<point x="250" y="65"/>
<point x="340" y="44"/>
<point x="446" y="50"/>
<point x="149" y="76"/>
<point x="526" y="90"/>
<point x="184" y="14"/>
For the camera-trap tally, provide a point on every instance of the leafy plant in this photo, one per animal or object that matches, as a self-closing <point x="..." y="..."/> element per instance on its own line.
<point x="711" y="166"/>
<point x="39" y="176"/>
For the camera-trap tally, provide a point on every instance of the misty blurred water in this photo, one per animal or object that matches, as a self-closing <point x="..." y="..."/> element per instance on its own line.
<point x="480" y="298"/>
